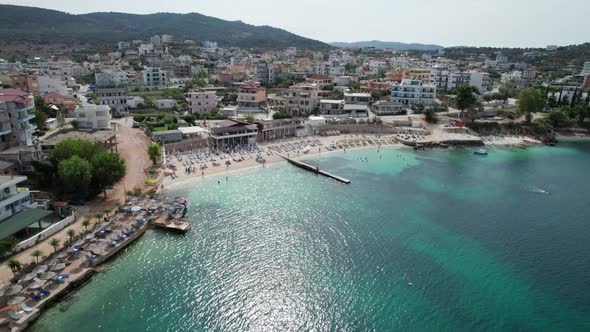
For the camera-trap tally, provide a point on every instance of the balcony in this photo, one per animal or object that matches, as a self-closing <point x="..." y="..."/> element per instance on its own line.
<point x="9" y="198"/>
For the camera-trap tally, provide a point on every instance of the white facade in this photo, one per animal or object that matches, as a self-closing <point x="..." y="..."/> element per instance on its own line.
<point x="154" y="76"/>
<point x="49" y="84"/>
<point x="111" y="78"/>
<point x="411" y="92"/>
<point x="201" y="101"/>
<point x="586" y="69"/>
<point x="13" y="199"/>
<point x="95" y="117"/>
<point x="15" y="126"/>
<point x="164" y="103"/>
<point x="302" y="99"/>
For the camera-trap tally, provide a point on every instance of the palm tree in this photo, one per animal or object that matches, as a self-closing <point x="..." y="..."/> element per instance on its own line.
<point x="54" y="243"/>
<point x="37" y="254"/>
<point x="86" y="223"/>
<point x="14" y="265"/>
<point x="106" y="212"/>
<point x="98" y="216"/>
<point x="118" y="205"/>
<point x="71" y="234"/>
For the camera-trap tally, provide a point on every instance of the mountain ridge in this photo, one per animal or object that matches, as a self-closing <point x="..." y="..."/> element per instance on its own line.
<point x="39" y="25"/>
<point x="386" y="44"/>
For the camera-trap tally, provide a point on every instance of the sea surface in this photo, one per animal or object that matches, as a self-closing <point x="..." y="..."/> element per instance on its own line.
<point x="440" y="240"/>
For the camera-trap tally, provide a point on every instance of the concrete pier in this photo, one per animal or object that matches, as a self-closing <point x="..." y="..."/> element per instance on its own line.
<point x="315" y="169"/>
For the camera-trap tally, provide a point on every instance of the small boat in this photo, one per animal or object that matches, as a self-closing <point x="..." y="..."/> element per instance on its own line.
<point x="481" y="152"/>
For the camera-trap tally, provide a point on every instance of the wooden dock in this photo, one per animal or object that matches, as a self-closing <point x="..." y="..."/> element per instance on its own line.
<point x="315" y="169"/>
<point x="181" y="227"/>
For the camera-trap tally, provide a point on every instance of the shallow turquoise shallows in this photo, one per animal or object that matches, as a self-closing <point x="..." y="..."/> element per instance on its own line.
<point x="488" y="243"/>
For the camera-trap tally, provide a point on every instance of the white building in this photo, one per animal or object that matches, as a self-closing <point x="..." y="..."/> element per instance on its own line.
<point x="111" y="78"/>
<point x="49" y="84"/>
<point x="411" y="92"/>
<point x="154" y="76"/>
<point x="93" y="117"/>
<point x="155" y="40"/>
<point x="200" y="101"/>
<point x="13" y="199"/>
<point x="302" y="99"/>
<point x="585" y="69"/>
<point x="115" y="98"/>
<point x="164" y="103"/>
<point x="15" y="126"/>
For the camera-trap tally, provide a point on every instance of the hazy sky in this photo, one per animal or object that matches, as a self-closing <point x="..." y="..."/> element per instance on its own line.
<point x="448" y="23"/>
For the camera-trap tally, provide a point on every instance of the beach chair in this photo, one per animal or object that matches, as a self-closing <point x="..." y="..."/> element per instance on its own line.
<point x="35" y="297"/>
<point x="58" y="281"/>
<point x="63" y="275"/>
<point x="25" y="307"/>
<point x="13" y="315"/>
<point x="90" y="258"/>
<point x="44" y="292"/>
<point x="94" y="254"/>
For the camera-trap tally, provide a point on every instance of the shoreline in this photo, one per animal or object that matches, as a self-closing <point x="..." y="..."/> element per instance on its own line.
<point x="85" y="277"/>
<point x="184" y="179"/>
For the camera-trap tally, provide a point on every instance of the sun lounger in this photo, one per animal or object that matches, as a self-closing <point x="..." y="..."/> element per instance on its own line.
<point x="90" y="258"/>
<point x="94" y="254"/>
<point x="13" y="315"/>
<point x="63" y="275"/>
<point x="35" y="297"/>
<point x="58" y="281"/>
<point x="25" y="307"/>
<point x="44" y="292"/>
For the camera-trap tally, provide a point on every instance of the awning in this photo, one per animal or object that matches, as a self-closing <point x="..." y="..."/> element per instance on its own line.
<point x="21" y="220"/>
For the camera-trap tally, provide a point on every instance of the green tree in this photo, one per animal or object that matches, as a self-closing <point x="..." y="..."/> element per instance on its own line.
<point x="430" y="116"/>
<point x="466" y="98"/>
<point x="154" y="152"/>
<point x="6" y="245"/>
<point x="189" y="118"/>
<point x="558" y="118"/>
<point x="54" y="243"/>
<point x="98" y="217"/>
<point x="37" y="254"/>
<point x="74" y="147"/>
<point x="86" y="223"/>
<point x="71" y="234"/>
<point x="14" y="265"/>
<point x="375" y="95"/>
<point x="530" y="101"/>
<point x="40" y="118"/>
<point x="249" y="118"/>
<point x="75" y="175"/>
<point x="107" y="169"/>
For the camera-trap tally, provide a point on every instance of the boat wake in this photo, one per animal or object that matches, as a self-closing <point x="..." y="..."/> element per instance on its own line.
<point x="538" y="190"/>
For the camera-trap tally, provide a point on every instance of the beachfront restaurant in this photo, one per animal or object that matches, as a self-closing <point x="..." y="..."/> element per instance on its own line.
<point x="233" y="134"/>
<point x="269" y="130"/>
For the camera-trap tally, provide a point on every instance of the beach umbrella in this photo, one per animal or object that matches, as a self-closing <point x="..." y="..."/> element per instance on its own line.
<point x="28" y="276"/>
<point x="52" y="262"/>
<point x="79" y="243"/>
<point x="16" y="300"/>
<point x="36" y="284"/>
<point x="57" y="267"/>
<point x="40" y="269"/>
<point x="13" y="290"/>
<point x="47" y="275"/>
<point x="62" y="255"/>
<point x="89" y="237"/>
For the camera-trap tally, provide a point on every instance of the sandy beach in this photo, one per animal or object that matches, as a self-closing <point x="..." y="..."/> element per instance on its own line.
<point x="268" y="152"/>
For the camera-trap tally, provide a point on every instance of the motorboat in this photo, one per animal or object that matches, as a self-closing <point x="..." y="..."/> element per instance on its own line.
<point x="481" y="152"/>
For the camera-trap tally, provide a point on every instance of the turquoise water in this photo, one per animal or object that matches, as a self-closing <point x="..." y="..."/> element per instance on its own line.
<point x="489" y="243"/>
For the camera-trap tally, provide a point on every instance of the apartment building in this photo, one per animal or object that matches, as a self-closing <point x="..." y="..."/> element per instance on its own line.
<point x="302" y="99"/>
<point x="111" y="78"/>
<point x="266" y="73"/>
<point x="477" y="79"/>
<point x="251" y="97"/>
<point x="93" y="117"/>
<point x="115" y="99"/>
<point x="411" y="92"/>
<point x="154" y="76"/>
<point x="200" y="101"/>
<point x="48" y="84"/>
<point x="15" y="115"/>
<point x="13" y="199"/>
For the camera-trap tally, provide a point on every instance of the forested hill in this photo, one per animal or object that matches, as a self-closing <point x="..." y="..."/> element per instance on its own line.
<point x="43" y="26"/>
